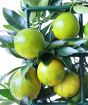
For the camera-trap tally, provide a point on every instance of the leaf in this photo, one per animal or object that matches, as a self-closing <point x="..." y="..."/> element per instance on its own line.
<point x="80" y="9"/>
<point x="6" y="41"/>
<point x="11" y="28"/>
<point x="25" y="69"/>
<point x="56" y="44"/>
<point x="6" y="93"/>
<point x="81" y="49"/>
<point x="75" y="41"/>
<point x="67" y="61"/>
<point x="6" y="102"/>
<point x="14" y="19"/>
<point x="66" y="51"/>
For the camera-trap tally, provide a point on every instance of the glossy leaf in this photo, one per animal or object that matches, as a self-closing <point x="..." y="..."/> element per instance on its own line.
<point x="81" y="49"/>
<point x="11" y="28"/>
<point x="75" y="41"/>
<point x="58" y="43"/>
<point x="6" y="41"/>
<point x="66" y="51"/>
<point x="14" y="19"/>
<point x="67" y="61"/>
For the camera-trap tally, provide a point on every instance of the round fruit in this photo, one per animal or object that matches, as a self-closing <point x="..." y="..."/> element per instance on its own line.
<point x="28" y="42"/>
<point x="86" y="30"/>
<point x="25" y="86"/>
<point x="66" y="26"/>
<point x="69" y="86"/>
<point x="52" y="73"/>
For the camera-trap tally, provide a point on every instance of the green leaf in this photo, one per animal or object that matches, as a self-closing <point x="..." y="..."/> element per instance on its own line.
<point x="6" y="41"/>
<point x="80" y="9"/>
<point x="25" y="69"/>
<point x="14" y="19"/>
<point x="81" y="49"/>
<point x="6" y="93"/>
<point x="66" y="51"/>
<point x="68" y="63"/>
<point x="6" y="102"/>
<point x="75" y="41"/>
<point x="11" y="28"/>
<point x="56" y="44"/>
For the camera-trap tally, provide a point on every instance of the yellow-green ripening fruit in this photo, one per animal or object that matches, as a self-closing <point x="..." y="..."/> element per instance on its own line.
<point x="29" y="42"/>
<point x="25" y="86"/>
<point x="66" y="26"/>
<point x="69" y="86"/>
<point x="51" y="74"/>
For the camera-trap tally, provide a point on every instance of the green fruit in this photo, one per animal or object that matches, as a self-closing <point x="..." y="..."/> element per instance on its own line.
<point x="25" y="86"/>
<point x="52" y="73"/>
<point x="28" y="42"/>
<point x="66" y="26"/>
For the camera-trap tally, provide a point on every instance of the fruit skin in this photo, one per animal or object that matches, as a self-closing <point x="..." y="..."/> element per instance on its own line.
<point x="69" y="86"/>
<point x="28" y="42"/>
<point x="25" y="86"/>
<point x="86" y="30"/>
<point x="52" y="73"/>
<point x="66" y="26"/>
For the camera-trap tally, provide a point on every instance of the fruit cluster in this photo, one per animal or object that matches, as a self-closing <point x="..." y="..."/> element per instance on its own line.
<point x="28" y="43"/>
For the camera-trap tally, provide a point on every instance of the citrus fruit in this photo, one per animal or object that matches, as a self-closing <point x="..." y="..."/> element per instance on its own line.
<point x="28" y="42"/>
<point x="86" y="30"/>
<point x="69" y="86"/>
<point x="66" y="26"/>
<point x="52" y="73"/>
<point x="21" y="86"/>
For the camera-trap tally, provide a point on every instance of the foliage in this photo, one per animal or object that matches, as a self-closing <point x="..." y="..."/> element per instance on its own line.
<point x="60" y="49"/>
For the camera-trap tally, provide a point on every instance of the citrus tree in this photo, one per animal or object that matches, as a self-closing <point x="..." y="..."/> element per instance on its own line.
<point x="51" y="44"/>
